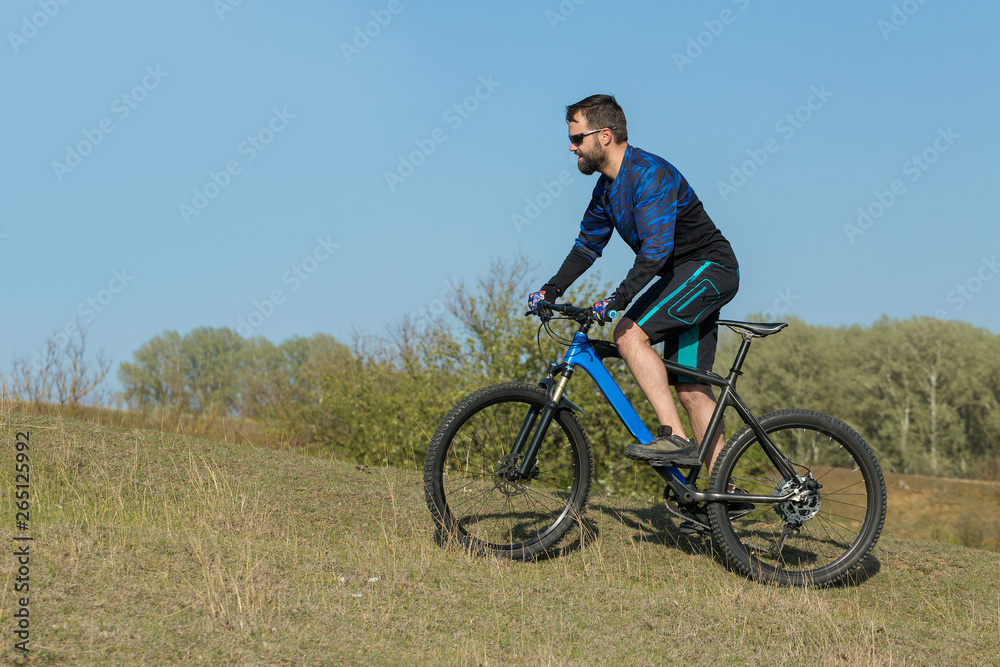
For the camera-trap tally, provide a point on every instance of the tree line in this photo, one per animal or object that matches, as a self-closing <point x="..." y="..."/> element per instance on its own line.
<point x="925" y="393"/>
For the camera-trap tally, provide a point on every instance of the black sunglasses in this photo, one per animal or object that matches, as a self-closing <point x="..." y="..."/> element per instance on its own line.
<point x="575" y="139"/>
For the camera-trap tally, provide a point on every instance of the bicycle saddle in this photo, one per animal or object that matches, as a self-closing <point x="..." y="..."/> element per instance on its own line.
<point x="756" y="328"/>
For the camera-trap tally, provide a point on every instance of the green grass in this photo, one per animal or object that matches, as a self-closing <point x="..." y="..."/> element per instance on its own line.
<point x="163" y="549"/>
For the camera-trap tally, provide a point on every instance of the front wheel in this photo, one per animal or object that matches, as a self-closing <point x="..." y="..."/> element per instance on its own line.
<point x="817" y="538"/>
<point x="469" y="488"/>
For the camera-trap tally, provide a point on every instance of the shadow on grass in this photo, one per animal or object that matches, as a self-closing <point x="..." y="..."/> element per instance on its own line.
<point x="581" y="535"/>
<point x="653" y="524"/>
<point x="656" y="525"/>
<point x="870" y="566"/>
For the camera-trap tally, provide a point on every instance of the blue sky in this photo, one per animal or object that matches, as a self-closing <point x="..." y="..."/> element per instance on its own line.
<point x="184" y="164"/>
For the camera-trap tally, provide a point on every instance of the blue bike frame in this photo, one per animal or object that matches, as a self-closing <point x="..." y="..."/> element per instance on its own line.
<point x="588" y="355"/>
<point x="581" y="353"/>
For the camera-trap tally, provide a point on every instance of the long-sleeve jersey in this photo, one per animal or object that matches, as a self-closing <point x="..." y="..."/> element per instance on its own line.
<point x="657" y="213"/>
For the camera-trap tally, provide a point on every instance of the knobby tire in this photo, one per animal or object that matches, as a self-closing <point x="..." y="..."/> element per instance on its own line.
<point x="486" y="513"/>
<point x="820" y="540"/>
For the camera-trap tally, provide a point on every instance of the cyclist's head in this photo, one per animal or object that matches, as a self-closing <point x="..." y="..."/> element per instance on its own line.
<point x="601" y="111"/>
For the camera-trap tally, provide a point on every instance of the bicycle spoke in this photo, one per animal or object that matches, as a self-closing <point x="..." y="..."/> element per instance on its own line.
<point x="832" y="493"/>
<point x="820" y="536"/>
<point x="826" y="517"/>
<point x="841" y="502"/>
<point x="482" y="500"/>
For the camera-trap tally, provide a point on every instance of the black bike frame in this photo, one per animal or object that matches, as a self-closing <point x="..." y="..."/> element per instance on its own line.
<point x="589" y="355"/>
<point x="727" y="398"/>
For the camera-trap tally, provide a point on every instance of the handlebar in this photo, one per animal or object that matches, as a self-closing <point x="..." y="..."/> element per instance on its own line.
<point x="544" y="310"/>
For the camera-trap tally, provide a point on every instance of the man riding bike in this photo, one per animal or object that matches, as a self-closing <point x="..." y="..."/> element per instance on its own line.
<point x="653" y="208"/>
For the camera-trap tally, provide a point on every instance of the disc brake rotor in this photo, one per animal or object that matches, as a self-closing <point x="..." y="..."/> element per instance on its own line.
<point x="505" y="481"/>
<point x="799" y="509"/>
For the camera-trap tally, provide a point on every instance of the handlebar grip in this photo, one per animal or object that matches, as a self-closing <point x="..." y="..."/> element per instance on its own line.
<point x="612" y="314"/>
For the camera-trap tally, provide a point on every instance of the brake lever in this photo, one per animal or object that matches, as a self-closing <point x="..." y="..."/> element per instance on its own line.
<point x="543" y="312"/>
<point x="612" y="314"/>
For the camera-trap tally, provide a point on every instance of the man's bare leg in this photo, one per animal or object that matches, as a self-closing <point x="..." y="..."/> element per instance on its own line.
<point x="650" y="374"/>
<point x="699" y="402"/>
<point x="698" y="399"/>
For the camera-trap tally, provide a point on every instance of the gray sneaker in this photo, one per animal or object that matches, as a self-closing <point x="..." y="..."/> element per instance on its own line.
<point x="667" y="449"/>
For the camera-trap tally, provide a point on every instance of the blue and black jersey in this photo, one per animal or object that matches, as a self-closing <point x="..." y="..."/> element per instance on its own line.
<point x="657" y="213"/>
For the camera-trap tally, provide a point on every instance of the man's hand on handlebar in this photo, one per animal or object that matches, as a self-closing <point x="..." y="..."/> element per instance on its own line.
<point x="545" y="309"/>
<point x="604" y="310"/>
<point x="540" y="302"/>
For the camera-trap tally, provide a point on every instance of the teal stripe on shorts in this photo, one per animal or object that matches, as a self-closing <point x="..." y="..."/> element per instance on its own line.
<point x="674" y="293"/>
<point x="687" y="344"/>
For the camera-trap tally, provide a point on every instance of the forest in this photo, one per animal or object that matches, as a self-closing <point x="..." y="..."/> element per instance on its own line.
<point x="925" y="393"/>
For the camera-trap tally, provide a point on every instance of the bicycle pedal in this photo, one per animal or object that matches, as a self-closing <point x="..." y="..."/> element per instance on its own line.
<point x="677" y="462"/>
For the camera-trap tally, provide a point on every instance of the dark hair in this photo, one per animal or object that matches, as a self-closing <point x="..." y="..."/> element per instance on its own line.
<point x="601" y="111"/>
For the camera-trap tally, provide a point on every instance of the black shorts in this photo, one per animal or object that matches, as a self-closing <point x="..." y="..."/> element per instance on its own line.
<point x="681" y="309"/>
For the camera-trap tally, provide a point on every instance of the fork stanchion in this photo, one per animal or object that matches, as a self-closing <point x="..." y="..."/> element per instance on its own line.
<point x="544" y="421"/>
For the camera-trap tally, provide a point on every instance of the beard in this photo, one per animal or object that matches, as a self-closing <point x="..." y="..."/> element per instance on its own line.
<point x="589" y="162"/>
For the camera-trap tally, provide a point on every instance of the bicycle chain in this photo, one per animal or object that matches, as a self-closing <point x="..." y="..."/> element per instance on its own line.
<point x="686" y="517"/>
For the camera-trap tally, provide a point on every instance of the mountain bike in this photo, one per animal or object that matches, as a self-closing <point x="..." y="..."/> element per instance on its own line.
<point x="796" y="497"/>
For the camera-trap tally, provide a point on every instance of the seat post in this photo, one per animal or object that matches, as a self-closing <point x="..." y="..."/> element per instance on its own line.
<point x="741" y="356"/>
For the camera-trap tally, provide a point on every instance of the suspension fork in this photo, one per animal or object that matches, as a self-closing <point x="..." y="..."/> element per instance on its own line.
<point x="536" y="423"/>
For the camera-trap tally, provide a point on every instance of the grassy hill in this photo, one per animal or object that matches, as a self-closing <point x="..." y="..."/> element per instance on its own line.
<point x="160" y="549"/>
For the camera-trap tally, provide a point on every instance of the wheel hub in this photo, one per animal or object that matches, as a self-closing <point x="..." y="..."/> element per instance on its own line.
<point x="799" y="508"/>
<point x="506" y="479"/>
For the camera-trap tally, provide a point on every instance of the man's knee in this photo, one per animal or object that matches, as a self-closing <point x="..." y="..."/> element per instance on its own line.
<point x="628" y="334"/>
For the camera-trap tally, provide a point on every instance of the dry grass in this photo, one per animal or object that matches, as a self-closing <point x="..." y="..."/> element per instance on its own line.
<point x="162" y="549"/>
<point x="965" y="512"/>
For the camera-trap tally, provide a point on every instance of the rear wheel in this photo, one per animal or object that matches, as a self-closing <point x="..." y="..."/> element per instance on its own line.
<point x="817" y="538"/>
<point x="467" y="480"/>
